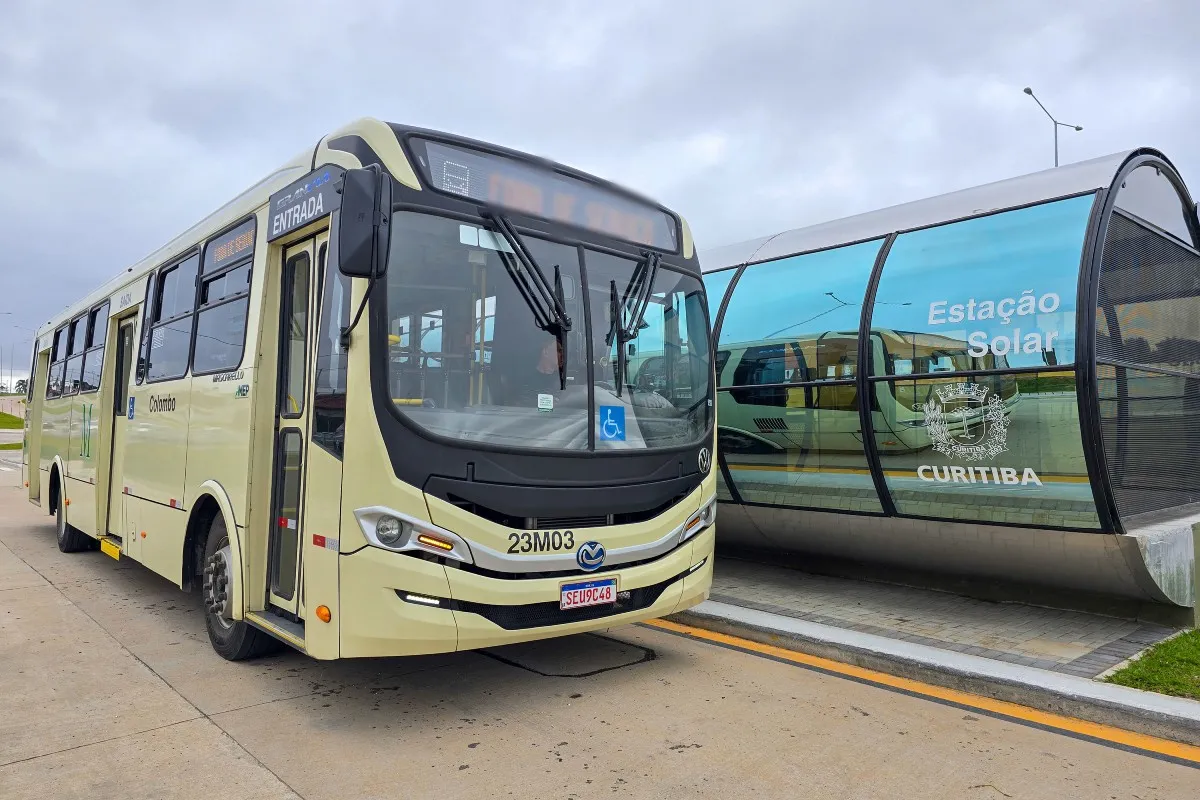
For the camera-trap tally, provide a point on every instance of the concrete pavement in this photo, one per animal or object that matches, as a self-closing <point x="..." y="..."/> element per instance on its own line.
<point x="113" y="691"/>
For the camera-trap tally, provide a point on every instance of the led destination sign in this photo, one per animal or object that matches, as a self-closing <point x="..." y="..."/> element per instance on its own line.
<point x="508" y="183"/>
<point x="230" y="247"/>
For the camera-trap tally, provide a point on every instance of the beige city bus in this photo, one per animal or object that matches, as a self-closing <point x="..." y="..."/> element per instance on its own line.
<point x="383" y="403"/>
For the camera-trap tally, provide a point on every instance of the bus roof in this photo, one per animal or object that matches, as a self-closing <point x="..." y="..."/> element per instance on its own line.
<point x="1049" y="184"/>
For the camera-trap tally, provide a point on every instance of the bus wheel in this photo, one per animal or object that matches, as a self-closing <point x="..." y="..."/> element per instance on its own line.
<point x="70" y="540"/>
<point x="232" y="639"/>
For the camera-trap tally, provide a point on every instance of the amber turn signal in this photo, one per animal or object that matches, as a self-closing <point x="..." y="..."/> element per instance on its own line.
<point x="324" y="614"/>
<point x="430" y="541"/>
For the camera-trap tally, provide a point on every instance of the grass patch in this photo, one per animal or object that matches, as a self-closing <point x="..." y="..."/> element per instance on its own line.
<point x="10" y="446"/>
<point x="1170" y="667"/>
<point x="8" y="422"/>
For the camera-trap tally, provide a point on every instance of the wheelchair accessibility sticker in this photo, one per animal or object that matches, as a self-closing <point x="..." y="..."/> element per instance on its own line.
<point x="612" y="423"/>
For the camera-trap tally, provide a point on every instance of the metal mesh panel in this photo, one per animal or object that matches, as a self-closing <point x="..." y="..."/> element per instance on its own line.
<point x="1151" y="427"/>
<point x="1149" y="316"/>
<point x="1149" y="310"/>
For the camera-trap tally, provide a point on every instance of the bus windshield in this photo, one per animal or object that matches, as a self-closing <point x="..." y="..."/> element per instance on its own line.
<point x="467" y="361"/>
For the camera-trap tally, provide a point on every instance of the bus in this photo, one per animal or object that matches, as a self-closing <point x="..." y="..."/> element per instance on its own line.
<point x="382" y="403"/>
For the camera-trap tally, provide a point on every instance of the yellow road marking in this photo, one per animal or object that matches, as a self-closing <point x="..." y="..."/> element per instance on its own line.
<point x="1139" y="741"/>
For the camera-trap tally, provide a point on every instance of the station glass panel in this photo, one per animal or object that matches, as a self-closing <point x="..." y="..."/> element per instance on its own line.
<point x="715" y="284"/>
<point x="983" y="293"/>
<point x="994" y="448"/>
<point x="809" y="306"/>
<point x="796" y="446"/>
<point x="1148" y="194"/>
<point x="788" y="415"/>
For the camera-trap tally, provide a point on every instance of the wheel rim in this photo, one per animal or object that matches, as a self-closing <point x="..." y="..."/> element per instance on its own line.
<point x="60" y="522"/>
<point x="218" y="588"/>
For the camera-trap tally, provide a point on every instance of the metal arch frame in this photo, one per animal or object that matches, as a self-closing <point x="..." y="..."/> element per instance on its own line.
<point x="1087" y="386"/>
<point x="1086" y="359"/>
<point x="738" y="270"/>
<point x="863" y="380"/>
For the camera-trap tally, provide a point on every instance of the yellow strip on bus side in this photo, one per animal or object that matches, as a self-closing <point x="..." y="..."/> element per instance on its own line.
<point x="110" y="549"/>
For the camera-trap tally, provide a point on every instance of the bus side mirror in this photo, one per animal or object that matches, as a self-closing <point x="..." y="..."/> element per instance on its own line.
<point x="363" y="230"/>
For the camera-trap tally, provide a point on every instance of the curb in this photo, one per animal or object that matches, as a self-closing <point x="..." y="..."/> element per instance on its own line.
<point x="1135" y="710"/>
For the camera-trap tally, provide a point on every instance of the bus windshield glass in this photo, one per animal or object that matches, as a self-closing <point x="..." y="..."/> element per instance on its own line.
<point x="466" y="360"/>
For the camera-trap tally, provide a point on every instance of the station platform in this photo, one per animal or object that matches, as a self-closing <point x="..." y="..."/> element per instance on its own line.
<point x="1048" y="659"/>
<point x="1071" y="642"/>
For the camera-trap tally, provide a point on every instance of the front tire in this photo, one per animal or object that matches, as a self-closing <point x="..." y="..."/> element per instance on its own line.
<point x="70" y="540"/>
<point x="234" y="640"/>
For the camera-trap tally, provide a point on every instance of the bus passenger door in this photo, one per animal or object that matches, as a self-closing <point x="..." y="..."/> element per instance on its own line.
<point x="120" y="421"/>
<point x="284" y="584"/>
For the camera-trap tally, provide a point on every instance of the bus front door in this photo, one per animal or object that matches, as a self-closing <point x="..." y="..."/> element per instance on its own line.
<point x="285" y="585"/>
<point x="120" y="421"/>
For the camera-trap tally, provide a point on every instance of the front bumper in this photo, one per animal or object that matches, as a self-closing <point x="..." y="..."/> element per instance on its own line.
<point x="477" y="611"/>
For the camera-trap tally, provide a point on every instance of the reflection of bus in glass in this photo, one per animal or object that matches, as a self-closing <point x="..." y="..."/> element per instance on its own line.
<point x="765" y="413"/>
<point x="380" y="407"/>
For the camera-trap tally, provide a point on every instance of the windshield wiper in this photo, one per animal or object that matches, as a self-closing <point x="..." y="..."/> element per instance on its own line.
<point x="616" y="332"/>
<point x="549" y="310"/>
<point x="636" y="299"/>
<point x="547" y="304"/>
<point x="641" y="285"/>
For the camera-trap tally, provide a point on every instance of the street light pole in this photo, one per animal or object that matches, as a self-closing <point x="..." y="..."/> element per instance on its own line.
<point x="1029" y="92"/>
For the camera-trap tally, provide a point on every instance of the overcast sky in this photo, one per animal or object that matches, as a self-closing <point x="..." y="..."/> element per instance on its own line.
<point x="123" y="123"/>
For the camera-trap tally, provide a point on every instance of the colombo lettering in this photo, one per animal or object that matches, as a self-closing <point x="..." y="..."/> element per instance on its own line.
<point x="161" y="403"/>
<point x="1028" y="304"/>
<point x="955" y="474"/>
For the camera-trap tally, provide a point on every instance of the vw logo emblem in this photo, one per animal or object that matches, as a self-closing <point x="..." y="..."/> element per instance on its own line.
<point x="590" y="556"/>
<point x="704" y="460"/>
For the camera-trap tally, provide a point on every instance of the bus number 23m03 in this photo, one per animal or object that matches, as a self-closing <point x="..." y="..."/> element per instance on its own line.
<point x="541" y="541"/>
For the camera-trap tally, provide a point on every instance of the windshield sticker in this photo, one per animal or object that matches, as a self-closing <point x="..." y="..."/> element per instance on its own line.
<point x="612" y="423"/>
<point x="545" y="402"/>
<point x="478" y="237"/>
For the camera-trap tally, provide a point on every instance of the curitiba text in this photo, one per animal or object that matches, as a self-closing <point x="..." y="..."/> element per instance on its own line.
<point x="955" y="474"/>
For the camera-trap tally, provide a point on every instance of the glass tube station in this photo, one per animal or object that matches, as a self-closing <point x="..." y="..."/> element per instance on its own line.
<point x="1001" y="382"/>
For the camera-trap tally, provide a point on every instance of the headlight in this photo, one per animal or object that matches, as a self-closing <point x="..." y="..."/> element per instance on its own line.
<point x="399" y="532"/>
<point x="389" y="530"/>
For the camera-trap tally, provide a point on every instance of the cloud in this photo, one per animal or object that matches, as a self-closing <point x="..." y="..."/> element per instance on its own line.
<point x="125" y="122"/>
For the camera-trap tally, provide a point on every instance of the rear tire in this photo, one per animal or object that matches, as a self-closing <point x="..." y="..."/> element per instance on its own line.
<point x="70" y="540"/>
<point x="234" y="640"/>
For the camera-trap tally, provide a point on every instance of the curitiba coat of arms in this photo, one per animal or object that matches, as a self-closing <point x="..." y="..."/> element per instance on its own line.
<point x="967" y="424"/>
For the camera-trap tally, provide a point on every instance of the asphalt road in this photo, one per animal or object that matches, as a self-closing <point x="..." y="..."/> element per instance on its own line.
<point x="112" y="690"/>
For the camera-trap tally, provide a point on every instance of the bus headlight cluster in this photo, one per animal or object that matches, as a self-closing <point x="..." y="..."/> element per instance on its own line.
<point x="700" y="520"/>
<point x="399" y="532"/>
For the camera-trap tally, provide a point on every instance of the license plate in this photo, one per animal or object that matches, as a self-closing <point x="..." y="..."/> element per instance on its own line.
<point x="588" y="593"/>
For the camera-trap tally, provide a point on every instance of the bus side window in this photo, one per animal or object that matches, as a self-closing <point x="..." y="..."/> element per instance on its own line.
<point x="57" y="357"/>
<point x="329" y="389"/>
<point x="146" y="318"/>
